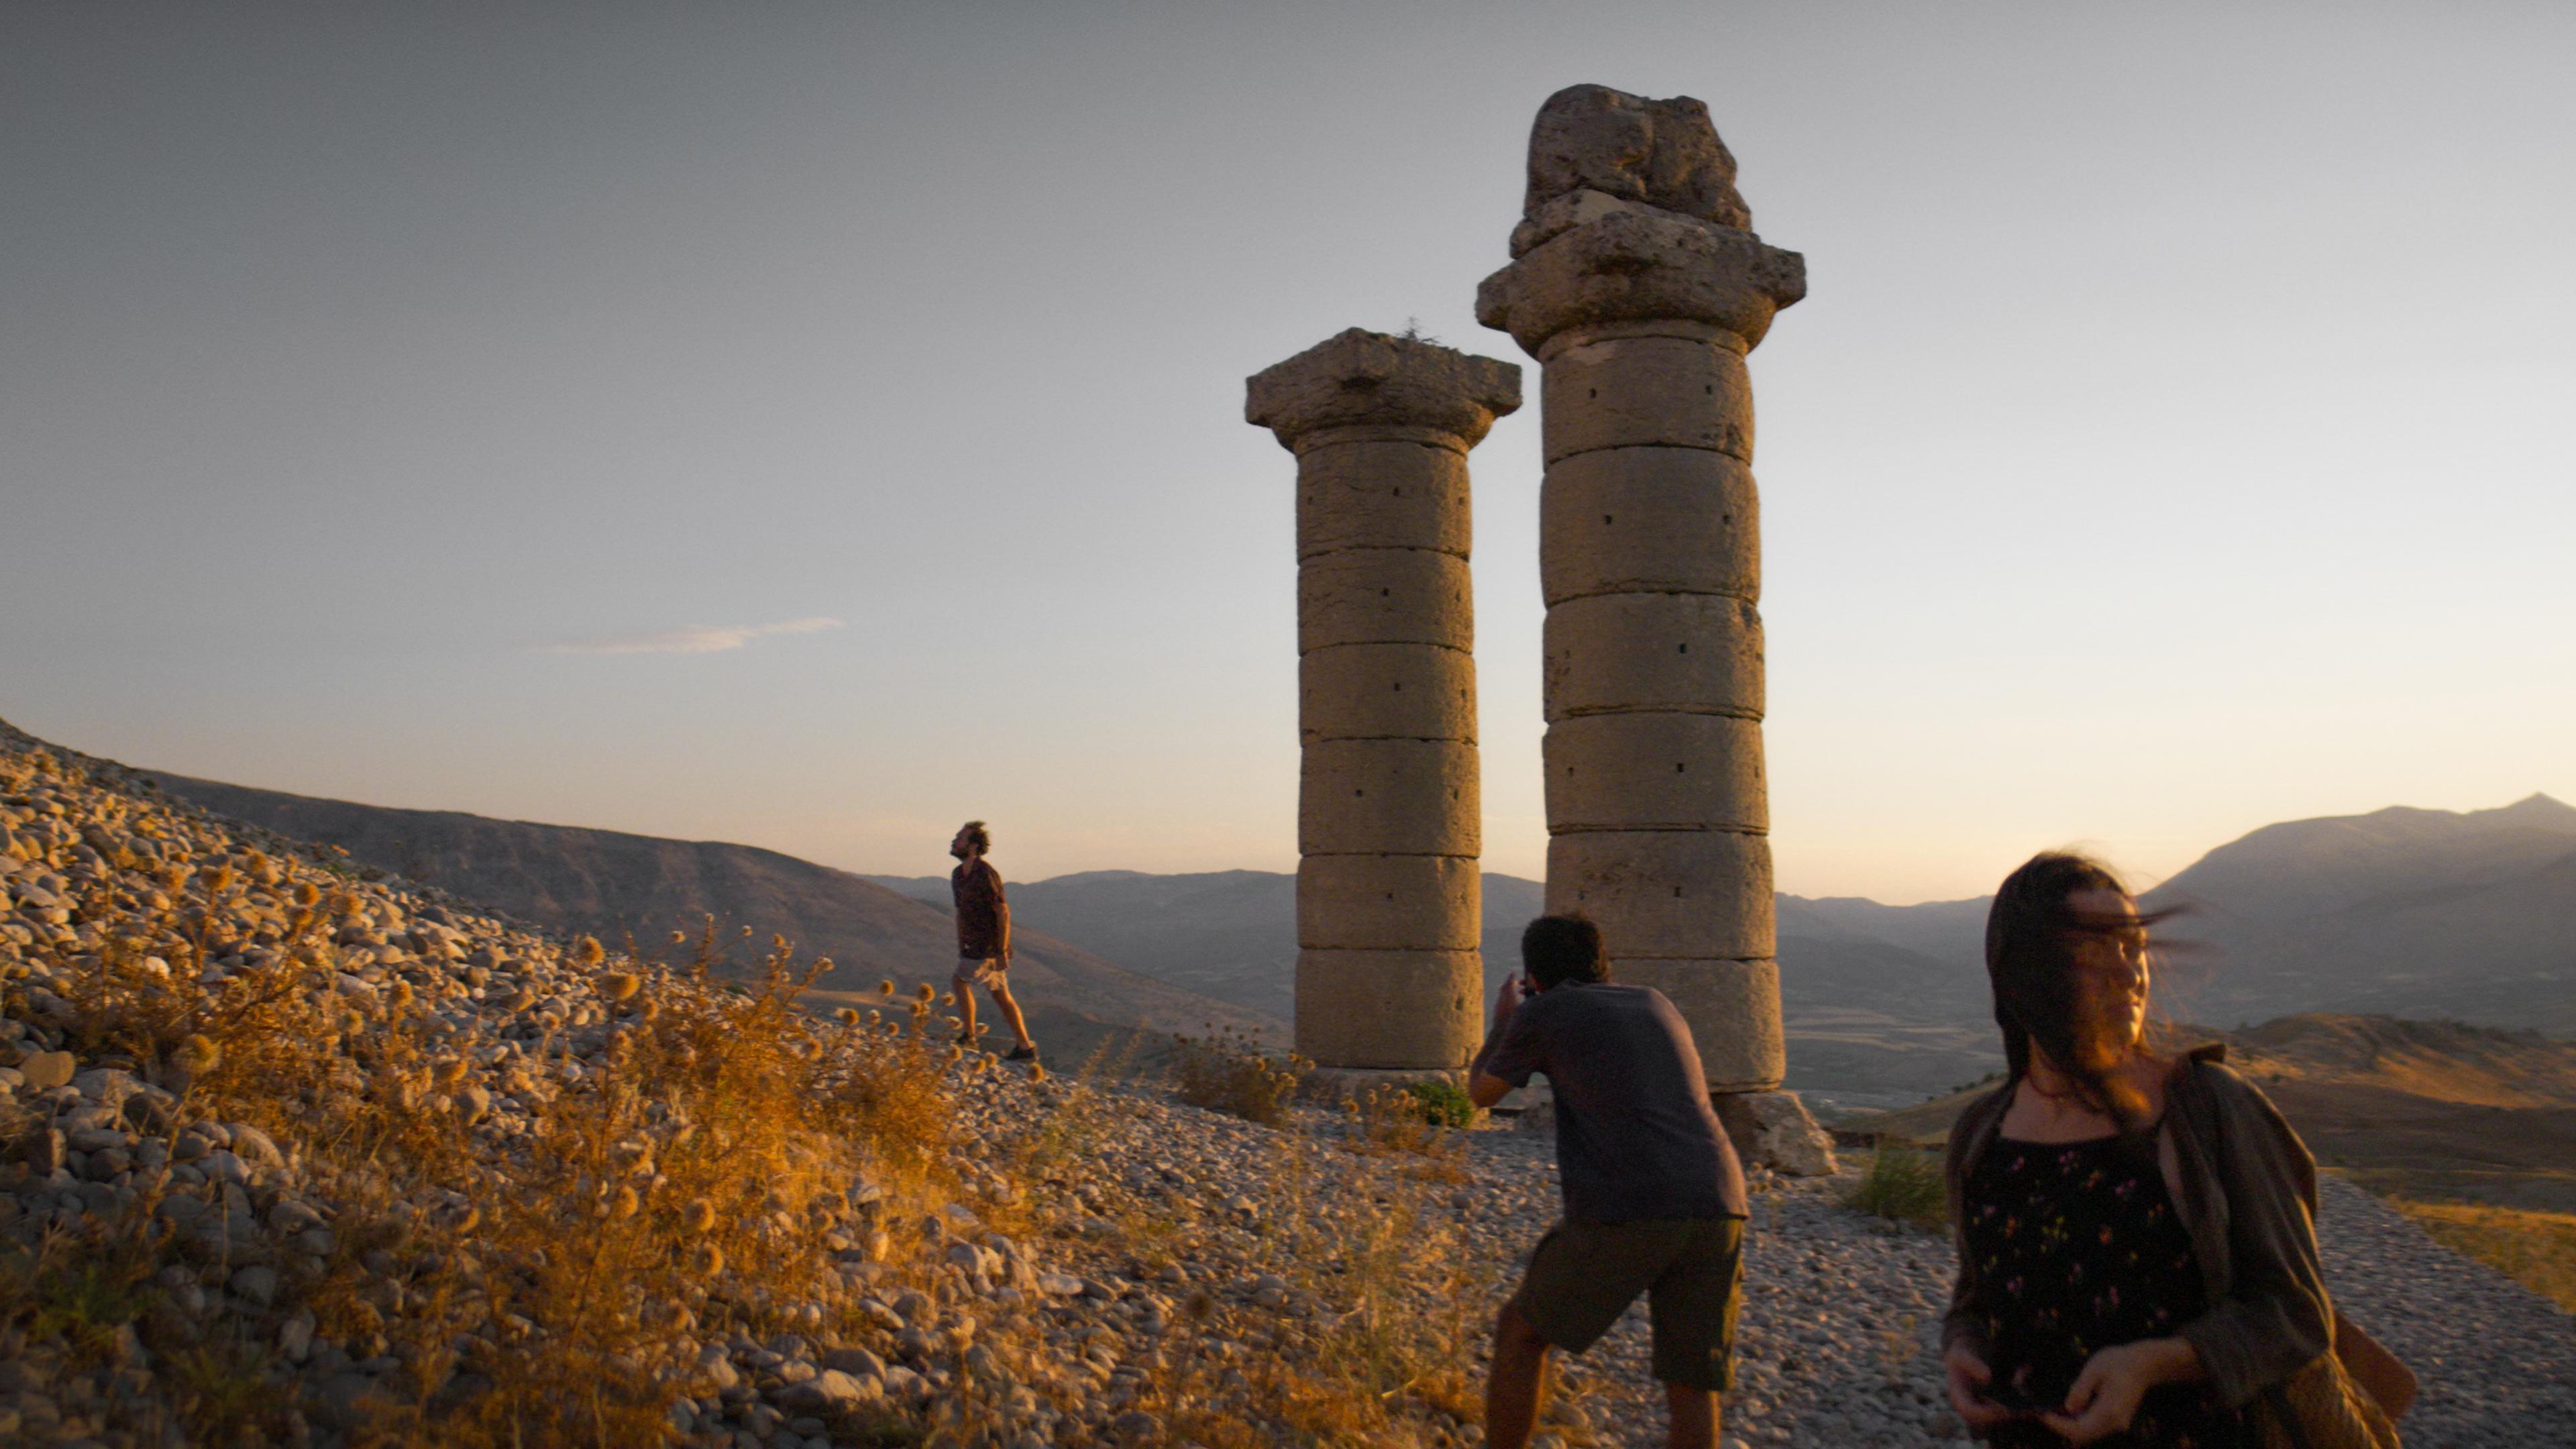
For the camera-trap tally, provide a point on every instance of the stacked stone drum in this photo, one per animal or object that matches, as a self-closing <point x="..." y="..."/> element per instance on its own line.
<point x="1638" y="287"/>
<point x="1388" y="828"/>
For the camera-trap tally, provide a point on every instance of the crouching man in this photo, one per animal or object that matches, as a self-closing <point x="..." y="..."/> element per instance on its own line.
<point x="1654" y="1198"/>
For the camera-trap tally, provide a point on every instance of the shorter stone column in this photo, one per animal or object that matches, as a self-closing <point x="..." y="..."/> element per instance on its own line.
<point x="1389" y="976"/>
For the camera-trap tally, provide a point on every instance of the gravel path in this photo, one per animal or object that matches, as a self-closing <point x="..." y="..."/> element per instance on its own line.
<point x="2497" y="1361"/>
<point x="1838" y="1342"/>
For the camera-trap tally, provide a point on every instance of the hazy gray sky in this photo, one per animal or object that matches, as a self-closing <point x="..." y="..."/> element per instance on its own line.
<point x="810" y="425"/>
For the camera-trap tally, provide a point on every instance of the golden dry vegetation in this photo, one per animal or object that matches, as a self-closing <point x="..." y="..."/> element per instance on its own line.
<point x="2536" y="1249"/>
<point x="357" y="1166"/>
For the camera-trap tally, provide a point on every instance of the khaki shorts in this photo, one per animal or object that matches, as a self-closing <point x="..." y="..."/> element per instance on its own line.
<point x="1582" y="1276"/>
<point x="990" y="972"/>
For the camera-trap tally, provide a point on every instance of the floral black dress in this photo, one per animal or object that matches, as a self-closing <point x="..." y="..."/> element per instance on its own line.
<point x="2078" y="1248"/>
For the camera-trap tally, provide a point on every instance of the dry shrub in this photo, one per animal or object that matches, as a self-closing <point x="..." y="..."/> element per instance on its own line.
<point x="688" y="1181"/>
<point x="538" y="1286"/>
<point x="1406" y="1121"/>
<point x="1229" y="1072"/>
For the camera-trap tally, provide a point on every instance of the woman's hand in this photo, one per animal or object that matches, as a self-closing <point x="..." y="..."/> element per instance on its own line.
<point x="2106" y="1394"/>
<point x="1968" y="1373"/>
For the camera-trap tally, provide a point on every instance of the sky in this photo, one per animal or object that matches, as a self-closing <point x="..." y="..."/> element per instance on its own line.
<point x="812" y="425"/>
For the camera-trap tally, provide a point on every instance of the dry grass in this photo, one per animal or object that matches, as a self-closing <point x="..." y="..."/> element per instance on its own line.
<point x="1388" y="1355"/>
<point x="663" y="1190"/>
<point x="700" y="1175"/>
<point x="1228" y="1071"/>
<point x="2535" y="1249"/>
<point x="1901" y="1185"/>
<point x="1403" y="1122"/>
<point x="694" y="1178"/>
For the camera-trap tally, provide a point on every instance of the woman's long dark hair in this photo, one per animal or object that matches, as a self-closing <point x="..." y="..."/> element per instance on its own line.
<point x="2031" y="932"/>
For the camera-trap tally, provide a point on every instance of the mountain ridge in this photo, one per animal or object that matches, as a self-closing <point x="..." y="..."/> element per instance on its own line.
<point x="2401" y="911"/>
<point x="615" y="883"/>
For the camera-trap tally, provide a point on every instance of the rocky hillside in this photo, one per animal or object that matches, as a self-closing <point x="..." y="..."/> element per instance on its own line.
<point x="614" y="885"/>
<point x="292" y="1157"/>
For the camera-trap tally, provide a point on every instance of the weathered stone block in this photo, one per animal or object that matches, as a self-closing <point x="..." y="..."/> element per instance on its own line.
<point x="1647" y="392"/>
<point x="1695" y="653"/>
<point x="1388" y="797"/>
<point x="1655" y="772"/>
<point x="1345" y="1084"/>
<point x="1389" y="1009"/>
<point x="1649" y="520"/>
<point x="1359" y="378"/>
<point x="1554" y="218"/>
<point x="1385" y="596"/>
<point x="1773" y="1130"/>
<point x="1382" y="493"/>
<point x="1667" y="893"/>
<point x="1386" y="691"/>
<point x="1664" y="153"/>
<point x="1642" y="267"/>
<point x="1389" y="903"/>
<point x="1733" y="1008"/>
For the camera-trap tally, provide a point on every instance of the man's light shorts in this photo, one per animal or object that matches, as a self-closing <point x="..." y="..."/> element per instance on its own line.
<point x="989" y="973"/>
<point x="1582" y="1276"/>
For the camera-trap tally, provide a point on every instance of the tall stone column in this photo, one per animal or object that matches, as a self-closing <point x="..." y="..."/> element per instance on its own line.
<point x="1388" y="829"/>
<point x="1637" y="285"/>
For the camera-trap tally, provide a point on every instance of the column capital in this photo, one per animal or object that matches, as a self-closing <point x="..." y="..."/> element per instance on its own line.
<point x="1642" y="265"/>
<point x="1362" y="379"/>
<point x="1632" y="216"/>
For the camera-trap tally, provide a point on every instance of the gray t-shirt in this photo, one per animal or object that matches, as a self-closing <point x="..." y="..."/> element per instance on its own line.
<point x="1635" y="1136"/>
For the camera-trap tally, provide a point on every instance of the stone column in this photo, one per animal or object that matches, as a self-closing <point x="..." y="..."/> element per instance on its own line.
<point x="1388" y="828"/>
<point x="1638" y="286"/>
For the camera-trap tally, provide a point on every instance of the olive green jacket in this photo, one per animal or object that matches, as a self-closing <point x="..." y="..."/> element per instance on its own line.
<point x="2245" y="1189"/>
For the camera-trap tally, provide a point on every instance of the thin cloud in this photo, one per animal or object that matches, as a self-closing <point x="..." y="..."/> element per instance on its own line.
<point x="696" y="639"/>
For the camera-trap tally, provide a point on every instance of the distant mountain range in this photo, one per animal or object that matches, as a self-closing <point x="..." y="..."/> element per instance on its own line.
<point x="615" y="885"/>
<point x="2469" y="915"/>
<point x="2426" y="913"/>
<point x="1229" y="934"/>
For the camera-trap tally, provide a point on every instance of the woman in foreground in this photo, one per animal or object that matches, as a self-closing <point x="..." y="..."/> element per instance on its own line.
<point x="2137" y="1254"/>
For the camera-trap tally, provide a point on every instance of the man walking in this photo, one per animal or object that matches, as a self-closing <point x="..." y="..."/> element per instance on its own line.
<point x="1654" y="1198"/>
<point x="983" y="939"/>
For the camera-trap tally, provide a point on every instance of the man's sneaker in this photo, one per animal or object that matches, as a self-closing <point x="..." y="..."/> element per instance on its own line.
<point x="1023" y="1054"/>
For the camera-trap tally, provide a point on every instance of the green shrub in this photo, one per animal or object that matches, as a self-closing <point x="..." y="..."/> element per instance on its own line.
<point x="1444" y="1104"/>
<point x="1901" y="1185"/>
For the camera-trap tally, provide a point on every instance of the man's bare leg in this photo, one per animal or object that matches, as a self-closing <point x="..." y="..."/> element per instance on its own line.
<point x="962" y="994"/>
<point x="1513" y="1387"/>
<point x="1010" y="1009"/>
<point x="1695" y="1415"/>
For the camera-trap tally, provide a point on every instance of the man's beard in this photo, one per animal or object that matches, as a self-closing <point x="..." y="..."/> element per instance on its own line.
<point x="958" y="851"/>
